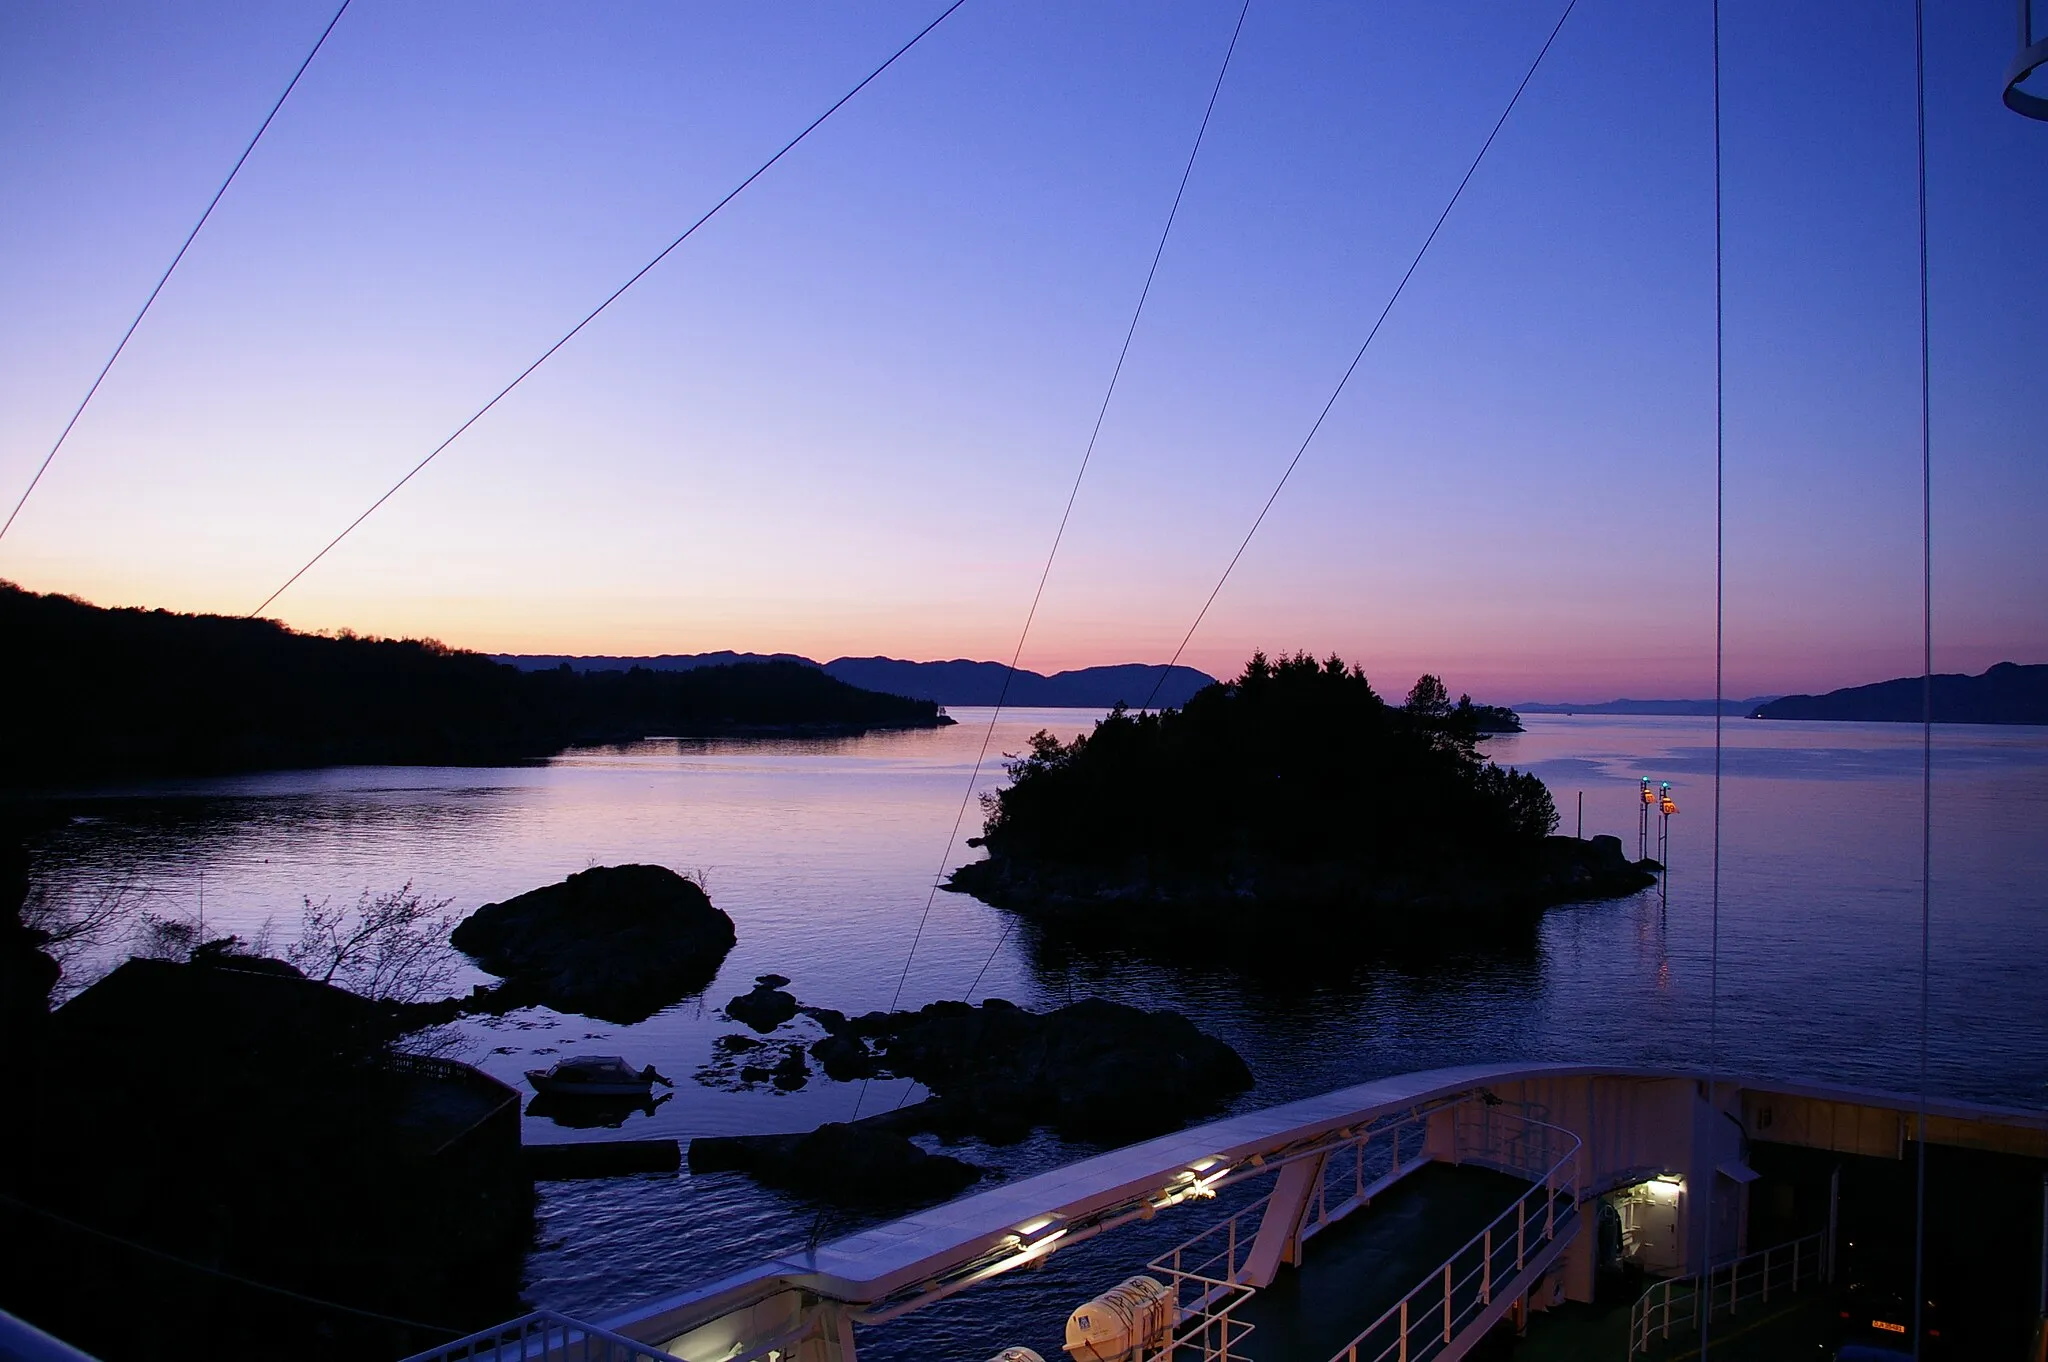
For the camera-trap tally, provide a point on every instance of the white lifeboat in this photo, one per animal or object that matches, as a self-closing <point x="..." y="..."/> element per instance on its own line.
<point x="1124" y="1322"/>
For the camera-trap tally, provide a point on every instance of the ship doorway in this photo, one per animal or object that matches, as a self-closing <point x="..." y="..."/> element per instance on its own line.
<point x="1642" y="1224"/>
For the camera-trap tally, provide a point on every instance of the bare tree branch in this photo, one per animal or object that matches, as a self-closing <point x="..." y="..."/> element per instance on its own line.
<point x="392" y="947"/>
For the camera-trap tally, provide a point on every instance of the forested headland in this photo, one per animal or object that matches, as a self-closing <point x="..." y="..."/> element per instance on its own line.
<point x="2007" y="693"/>
<point x="1295" y="786"/>
<point x="99" y="693"/>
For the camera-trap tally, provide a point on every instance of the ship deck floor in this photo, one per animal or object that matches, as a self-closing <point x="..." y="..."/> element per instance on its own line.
<point x="1358" y="1268"/>
<point x="1793" y="1327"/>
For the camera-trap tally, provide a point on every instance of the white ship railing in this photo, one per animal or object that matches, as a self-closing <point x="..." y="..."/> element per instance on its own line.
<point x="1673" y="1305"/>
<point x="544" y="1336"/>
<point x="1358" y="1166"/>
<point x="1474" y="1284"/>
<point x="1205" y="1272"/>
<point x="1205" y="1325"/>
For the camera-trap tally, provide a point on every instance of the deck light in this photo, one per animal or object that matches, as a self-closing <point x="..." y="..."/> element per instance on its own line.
<point x="2031" y="57"/>
<point x="1036" y="1239"/>
<point x="1034" y="1231"/>
<point x="1665" y="1187"/>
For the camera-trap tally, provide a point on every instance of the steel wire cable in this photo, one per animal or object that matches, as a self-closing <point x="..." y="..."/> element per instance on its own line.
<point x="615" y="295"/>
<point x="1714" y="878"/>
<point x="1167" y="671"/>
<point x="1926" y="683"/>
<point x="169" y="269"/>
<point x="1345" y="381"/>
<point x="223" y="1274"/>
<point x="1102" y="411"/>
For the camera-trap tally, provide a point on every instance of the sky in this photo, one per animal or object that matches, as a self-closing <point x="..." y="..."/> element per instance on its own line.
<point x="844" y="418"/>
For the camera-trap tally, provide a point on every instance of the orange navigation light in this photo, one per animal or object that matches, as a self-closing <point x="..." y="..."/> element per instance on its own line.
<point x="1649" y="795"/>
<point x="1669" y="806"/>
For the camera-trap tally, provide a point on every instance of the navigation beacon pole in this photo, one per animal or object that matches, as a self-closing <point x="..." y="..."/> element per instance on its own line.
<point x="1666" y="806"/>
<point x="1643" y="821"/>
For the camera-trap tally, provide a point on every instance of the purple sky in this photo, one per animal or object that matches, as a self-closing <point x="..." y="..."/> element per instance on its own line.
<point x="844" y="418"/>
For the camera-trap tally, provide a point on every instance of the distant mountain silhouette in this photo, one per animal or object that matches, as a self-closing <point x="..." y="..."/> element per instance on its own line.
<point x="961" y="682"/>
<point x="1649" y="707"/>
<point x="667" y="662"/>
<point x="2005" y="694"/>
<point x="958" y="682"/>
<point x="99" y="693"/>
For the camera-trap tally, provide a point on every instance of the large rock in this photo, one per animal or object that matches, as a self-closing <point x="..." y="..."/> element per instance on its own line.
<point x="847" y="1164"/>
<point x="1093" y="1070"/>
<point x="618" y="943"/>
<point x="765" y="1006"/>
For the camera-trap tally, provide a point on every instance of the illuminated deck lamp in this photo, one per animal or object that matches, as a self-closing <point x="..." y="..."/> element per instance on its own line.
<point x="2026" y="84"/>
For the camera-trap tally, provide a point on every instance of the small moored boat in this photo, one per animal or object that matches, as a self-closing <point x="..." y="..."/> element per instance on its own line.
<point x="595" y="1076"/>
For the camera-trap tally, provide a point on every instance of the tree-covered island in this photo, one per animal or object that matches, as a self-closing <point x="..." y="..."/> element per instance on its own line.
<point x="1294" y="792"/>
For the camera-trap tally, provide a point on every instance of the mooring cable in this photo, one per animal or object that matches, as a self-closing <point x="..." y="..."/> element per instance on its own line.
<point x="615" y="295"/>
<point x="1343" y="382"/>
<point x="169" y="269"/>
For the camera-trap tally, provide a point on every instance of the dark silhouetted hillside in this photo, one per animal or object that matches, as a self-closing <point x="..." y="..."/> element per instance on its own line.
<point x="959" y="682"/>
<point x="2005" y="694"/>
<point x="96" y="693"/>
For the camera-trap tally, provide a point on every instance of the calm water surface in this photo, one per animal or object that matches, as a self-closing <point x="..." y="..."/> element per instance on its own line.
<point x="824" y="854"/>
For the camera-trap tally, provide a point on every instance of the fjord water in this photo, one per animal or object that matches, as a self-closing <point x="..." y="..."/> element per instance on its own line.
<point x="824" y="852"/>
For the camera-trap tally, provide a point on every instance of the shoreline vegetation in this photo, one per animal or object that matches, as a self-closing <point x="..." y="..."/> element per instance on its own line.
<point x="1293" y="792"/>
<point x="107" y="693"/>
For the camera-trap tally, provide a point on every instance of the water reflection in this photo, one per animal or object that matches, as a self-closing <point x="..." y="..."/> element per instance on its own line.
<point x="592" y="1113"/>
<point x="823" y="851"/>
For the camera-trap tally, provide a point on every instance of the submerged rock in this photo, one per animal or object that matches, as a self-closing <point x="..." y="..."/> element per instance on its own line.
<point x="614" y="942"/>
<point x="846" y="1164"/>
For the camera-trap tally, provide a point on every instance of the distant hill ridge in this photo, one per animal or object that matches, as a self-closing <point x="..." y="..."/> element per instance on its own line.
<point x="957" y="682"/>
<point x="2005" y="694"/>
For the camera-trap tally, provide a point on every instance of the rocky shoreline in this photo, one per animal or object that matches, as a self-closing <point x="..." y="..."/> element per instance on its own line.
<point x="1144" y="893"/>
<point x="1093" y="1071"/>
